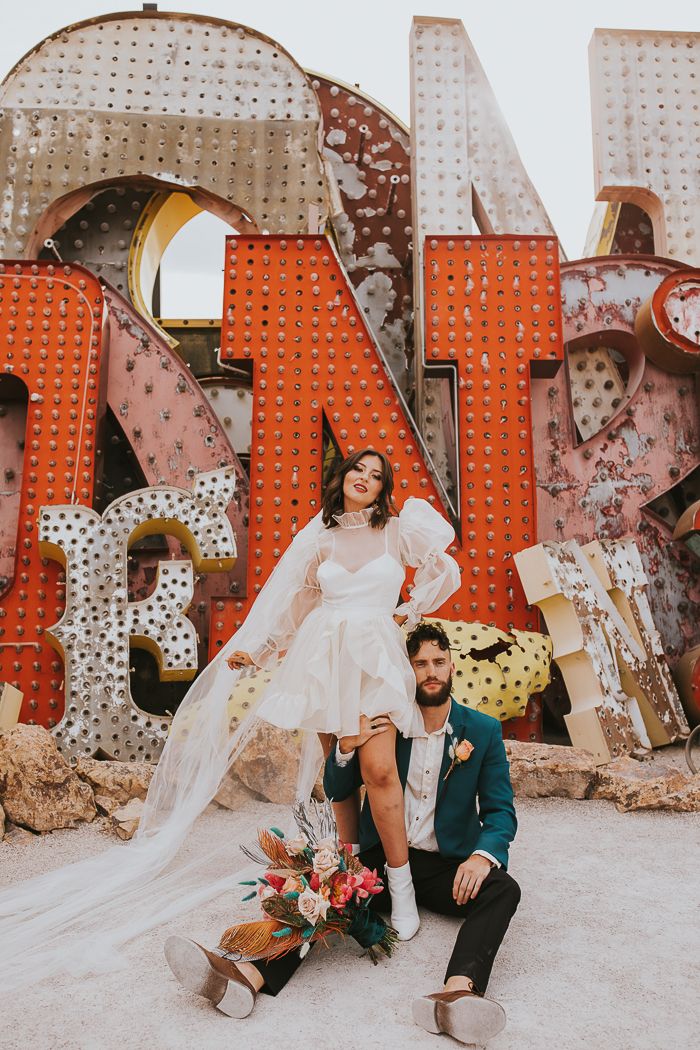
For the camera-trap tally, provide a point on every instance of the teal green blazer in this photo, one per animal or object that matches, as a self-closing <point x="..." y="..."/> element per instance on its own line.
<point x="474" y="807"/>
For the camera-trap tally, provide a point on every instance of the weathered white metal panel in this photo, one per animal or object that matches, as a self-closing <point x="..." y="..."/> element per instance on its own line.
<point x="183" y="101"/>
<point x="645" y="91"/>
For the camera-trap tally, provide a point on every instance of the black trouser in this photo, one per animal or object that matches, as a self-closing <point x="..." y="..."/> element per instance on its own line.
<point x="485" y="923"/>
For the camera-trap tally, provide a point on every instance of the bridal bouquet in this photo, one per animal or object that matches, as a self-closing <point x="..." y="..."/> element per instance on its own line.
<point x="313" y="888"/>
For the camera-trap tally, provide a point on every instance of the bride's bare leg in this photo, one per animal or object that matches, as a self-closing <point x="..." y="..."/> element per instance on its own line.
<point x="381" y="777"/>
<point x="347" y="813"/>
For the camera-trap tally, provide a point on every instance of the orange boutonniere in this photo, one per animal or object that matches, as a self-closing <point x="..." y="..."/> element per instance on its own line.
<point x="459" y="751"/>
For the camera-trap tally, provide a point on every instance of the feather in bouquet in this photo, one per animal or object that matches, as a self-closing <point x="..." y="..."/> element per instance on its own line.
<point x="313" y="888"/>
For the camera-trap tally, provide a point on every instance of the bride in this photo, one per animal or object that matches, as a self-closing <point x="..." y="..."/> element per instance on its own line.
<point x="345" y="654"/>
<point x="329" y="604"/>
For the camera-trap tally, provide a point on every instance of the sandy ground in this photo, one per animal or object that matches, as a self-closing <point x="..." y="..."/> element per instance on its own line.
<point x="603" y="954"/>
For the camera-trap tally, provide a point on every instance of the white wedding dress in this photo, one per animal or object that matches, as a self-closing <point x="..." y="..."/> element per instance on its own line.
<point x="329" y="605"/>
<point x="346" y="655"/>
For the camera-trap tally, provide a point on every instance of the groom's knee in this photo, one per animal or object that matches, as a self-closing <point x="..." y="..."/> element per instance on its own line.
<point x="508" y="888"/>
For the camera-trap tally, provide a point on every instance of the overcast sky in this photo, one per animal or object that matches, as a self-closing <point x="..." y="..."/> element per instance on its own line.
<point x="534" y="54"/>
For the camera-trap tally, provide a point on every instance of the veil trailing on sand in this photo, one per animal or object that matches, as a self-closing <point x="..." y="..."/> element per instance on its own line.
<point x="47" y="924"/>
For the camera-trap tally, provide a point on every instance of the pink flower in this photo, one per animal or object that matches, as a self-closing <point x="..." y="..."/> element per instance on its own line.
<point x="327" y="843"/>
<point x="297" y="845"/>
<point x="366" y="883"/>
<point x="326" y="862"/>
<point x="342" y="890"/>
<point x="292" y="884"/>
<point x="312" y="906"/>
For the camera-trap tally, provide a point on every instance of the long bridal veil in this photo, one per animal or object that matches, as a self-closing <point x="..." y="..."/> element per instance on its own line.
<point x="76" y="919"/>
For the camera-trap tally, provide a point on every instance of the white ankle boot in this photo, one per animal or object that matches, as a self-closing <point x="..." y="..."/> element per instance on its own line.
<point x="404" y="913"/>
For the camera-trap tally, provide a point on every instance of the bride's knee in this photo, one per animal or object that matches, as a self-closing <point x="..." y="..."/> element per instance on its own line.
<point x="379" y="773"/>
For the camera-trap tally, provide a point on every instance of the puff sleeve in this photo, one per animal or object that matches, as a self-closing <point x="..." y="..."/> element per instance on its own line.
<point x="289" y="595"/>
<point x="423" y="536"/>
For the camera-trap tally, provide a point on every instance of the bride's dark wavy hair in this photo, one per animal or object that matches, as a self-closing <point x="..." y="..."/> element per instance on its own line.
<point x="333" y="500"/>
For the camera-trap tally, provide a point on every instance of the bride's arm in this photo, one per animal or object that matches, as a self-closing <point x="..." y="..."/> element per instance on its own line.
<point x="289" y="595"/>
<point x="289" y="620"/>
<point x="423" y="536"/>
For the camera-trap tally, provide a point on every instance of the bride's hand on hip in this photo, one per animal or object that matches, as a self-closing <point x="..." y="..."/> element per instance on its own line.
<point x="239" y="659"/>
<point x="400" y="620"/>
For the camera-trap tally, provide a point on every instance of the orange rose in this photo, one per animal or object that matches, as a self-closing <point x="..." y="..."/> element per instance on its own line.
<point x="463" y="750"/>
<point x="458" y="752"/>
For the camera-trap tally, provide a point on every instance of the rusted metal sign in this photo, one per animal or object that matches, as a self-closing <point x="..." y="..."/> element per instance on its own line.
<point x="385" y="286"/>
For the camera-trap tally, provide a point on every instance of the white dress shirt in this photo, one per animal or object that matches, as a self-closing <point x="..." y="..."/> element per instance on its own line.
<point x="420" y="794"/>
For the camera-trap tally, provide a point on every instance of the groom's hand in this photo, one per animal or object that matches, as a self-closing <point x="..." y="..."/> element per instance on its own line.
<point x="470" y="875"/>
<point x="369" y="727"/>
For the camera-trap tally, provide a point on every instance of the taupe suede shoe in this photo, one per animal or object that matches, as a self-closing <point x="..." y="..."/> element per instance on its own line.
<point x="466" y="1016"/>
<point x="204" y="972"/>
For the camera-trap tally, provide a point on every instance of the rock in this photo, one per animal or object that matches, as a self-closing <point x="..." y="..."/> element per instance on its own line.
<point x="633" y="785"/>
<point x="620" y="773"/>
<point x="106" y="805"/>
<point x="549" y="771"/>
<point x="233" y="793"/>
<point x="38" y="789"/>
<point x="2" y="823"/>
<point x="125" y="820"/>
<point x="685" y="800"/>
<point x="268" y="766"/>
<point x="115" y="783"/>
<point x="17" y="836"/>
<point x="269" y="763"/>
<point x="317" y="791"/>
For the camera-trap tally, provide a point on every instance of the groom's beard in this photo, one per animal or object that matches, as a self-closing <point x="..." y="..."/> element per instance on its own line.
<point x="435" y="697"/>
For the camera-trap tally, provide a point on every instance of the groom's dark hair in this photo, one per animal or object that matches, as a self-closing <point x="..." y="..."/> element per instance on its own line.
<point x="427" y="632"/>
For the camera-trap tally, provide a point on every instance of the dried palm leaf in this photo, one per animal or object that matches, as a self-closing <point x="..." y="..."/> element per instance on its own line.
<point x="276" y="851"/>
<point x="284" y="910"/>
<point x="255" y="854"/>
<point x="257" y="939"/>
<point x="315" y="821"/>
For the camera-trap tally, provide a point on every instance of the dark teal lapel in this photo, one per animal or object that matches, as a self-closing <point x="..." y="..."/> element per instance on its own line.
<point x="457" y="722"/>
<point x="403" y="757"/>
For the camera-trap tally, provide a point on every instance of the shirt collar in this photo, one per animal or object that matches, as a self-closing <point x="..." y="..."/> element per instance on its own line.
<point x="446" y="727"/>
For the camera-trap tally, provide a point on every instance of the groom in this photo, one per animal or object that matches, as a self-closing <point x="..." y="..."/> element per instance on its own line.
<point x="458" y="853"/>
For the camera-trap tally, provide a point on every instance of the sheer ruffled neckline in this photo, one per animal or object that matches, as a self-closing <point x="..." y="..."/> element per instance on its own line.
<point x="354" y="519"/>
